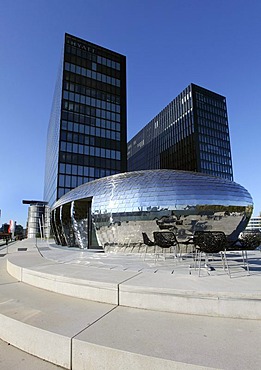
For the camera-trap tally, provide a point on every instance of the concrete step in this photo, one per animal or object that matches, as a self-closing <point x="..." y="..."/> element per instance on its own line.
<point x="81" y="334"/>
<point x="92" y="283"/>
<point x="12" y="358"/>
<point x="211" y="296"/>
<point x="43" y="323"/>
<point x="135" y="339"/>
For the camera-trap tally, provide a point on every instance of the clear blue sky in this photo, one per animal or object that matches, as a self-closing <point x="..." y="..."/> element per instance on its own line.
<point x="168" y="44"/>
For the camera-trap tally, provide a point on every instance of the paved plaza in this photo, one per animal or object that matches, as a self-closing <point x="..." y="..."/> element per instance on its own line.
<point x="94" y="310"/>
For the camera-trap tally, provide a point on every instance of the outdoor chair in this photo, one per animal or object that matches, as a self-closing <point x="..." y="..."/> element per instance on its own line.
<point x="148" y="243"/>
<point x="250" y="241"/>
<point x="210" y="243"/>
<point x="189" y="244"/>
<point x="166" y="240"/>
<point x="247" y="242"/>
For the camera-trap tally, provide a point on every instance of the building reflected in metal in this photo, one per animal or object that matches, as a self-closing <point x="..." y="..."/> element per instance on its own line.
<point x="112" y="212"/>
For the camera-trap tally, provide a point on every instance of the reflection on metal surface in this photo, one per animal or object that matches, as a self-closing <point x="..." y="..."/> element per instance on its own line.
<point x="125" y="205"/>
<point x="36" y="214"/>
<point x="67" y="224"/>
<point x="80" y="223"/>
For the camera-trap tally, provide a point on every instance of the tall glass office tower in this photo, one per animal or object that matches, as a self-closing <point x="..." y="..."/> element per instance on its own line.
<point x="87" y="129"/>
<point x="191" y="134"/>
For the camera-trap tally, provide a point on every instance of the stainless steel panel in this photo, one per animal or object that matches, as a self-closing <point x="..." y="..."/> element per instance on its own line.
<point x="125" y="205"/>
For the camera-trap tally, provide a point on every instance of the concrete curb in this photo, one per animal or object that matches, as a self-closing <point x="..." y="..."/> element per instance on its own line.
<point x="80" y="334"/>
<point x="140" y="290"/>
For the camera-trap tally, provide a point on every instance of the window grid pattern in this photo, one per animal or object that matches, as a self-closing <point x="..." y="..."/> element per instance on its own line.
<point x="52" y="147"/>
<point x="91" y="129"/>
<point x="213" y="135"/>
<point x="191" y="134"/>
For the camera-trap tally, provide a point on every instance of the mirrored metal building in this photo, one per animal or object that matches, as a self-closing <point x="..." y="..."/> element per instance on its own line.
<point x="38" y="221"/>
<point x="112" y="212"/>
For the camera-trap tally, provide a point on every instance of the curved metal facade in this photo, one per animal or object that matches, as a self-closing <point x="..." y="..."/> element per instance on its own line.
<point x="115" y="210"/>
<point x="35" y="214"/>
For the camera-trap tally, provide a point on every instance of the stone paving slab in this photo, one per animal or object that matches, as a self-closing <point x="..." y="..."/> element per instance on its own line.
<point x="140" y="339"/>
<point x="216" y="295"/>
<point x="100" y="336"/>
<point x="80" y="334"/>
<point x="73" y="280"/>
<point x="247" y="286"/>
<point x="42" y="323"/>
<point x="12" y="358"/>
<point x="143" y="294"/>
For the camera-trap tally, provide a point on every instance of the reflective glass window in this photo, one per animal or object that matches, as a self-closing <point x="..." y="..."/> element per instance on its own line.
<point x="67" y="181"/>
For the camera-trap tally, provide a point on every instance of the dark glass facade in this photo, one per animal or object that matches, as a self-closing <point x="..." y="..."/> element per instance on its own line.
<point x="87" y="129"/>
<point x="190" y="134"/>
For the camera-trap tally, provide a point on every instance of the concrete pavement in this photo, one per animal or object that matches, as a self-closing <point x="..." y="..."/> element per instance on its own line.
<point x="12" y="358"/>
<point x="86" y="311"/>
